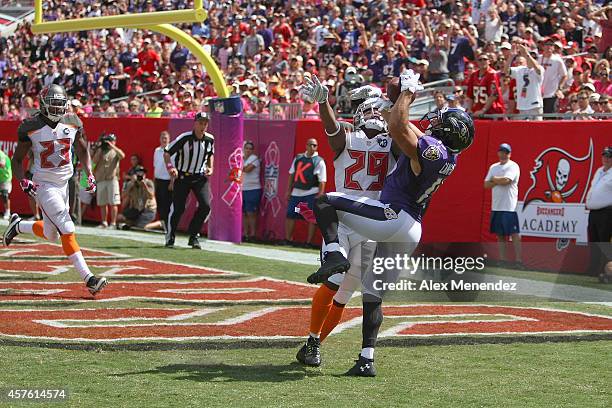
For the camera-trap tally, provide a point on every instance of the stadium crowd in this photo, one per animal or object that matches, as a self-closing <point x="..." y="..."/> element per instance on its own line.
<point x="265" y="48"/>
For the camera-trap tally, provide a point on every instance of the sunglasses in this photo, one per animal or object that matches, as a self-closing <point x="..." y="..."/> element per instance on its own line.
<point x="457" y="91"/>
<point x="312" y="144"/>
<point x="574" y="101"/>
<point x="582" y="98"/>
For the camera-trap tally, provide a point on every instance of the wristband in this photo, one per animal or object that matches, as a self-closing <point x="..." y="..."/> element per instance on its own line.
<point x="169" y="166"/>
<point x="335" y="132"/>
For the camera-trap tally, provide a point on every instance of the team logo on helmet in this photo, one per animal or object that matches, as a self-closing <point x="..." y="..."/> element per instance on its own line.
<point x="432" y="153"/>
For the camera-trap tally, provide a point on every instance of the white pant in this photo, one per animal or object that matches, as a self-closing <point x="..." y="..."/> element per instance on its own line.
<point x="350" y="281"/>
<point x="394" y="232"/>
<point x="53" y="201"/>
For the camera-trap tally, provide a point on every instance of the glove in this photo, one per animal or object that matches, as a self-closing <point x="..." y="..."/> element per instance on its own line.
<point x="365" y="92"/>
<point x="381" y="104"/>
<point x="28" y="187"/>
<point x="91" y="184"/>
<point x="409" y="81"/>
<point x="307" y="213"/>
<point x="314" y="90"/>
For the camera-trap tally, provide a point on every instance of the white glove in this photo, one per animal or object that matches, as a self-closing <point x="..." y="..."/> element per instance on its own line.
<point x="409" y="81"/>
<point x="381" y="104"/>
<point x="314" y="90"/>
<point x="365" y="92"/>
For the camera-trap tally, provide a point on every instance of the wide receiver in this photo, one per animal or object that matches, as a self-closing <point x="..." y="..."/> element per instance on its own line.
<point x="394" y="221"/>
<point x="50" y="134"/>
<point x="362" y="160"/>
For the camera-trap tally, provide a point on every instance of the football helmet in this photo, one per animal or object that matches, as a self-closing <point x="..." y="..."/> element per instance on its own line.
<point x="53" y="102"/>
<point x="454" y="128"/>
<point x="368" y="119"/>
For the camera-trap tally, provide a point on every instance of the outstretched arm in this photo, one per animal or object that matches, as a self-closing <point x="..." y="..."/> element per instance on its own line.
<point x="399" y="126"/>
<point x="21" y="151"/>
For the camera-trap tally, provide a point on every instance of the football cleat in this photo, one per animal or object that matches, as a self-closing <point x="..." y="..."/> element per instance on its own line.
<point x="169" y="243"/>
<point x="310" y="353"/>
<point x="11" y="231"/>
<point x="364" y="367"/>
<point x="194" y="242"/>
<point x="94" y="284"/>
<point x="333" y="262"/>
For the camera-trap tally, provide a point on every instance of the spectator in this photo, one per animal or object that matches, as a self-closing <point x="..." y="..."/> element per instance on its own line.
<point x="163" y="181"/>
<point x="503" y="178"/>
<point x="108" y="195"/>
<point x="437" y="52"/>
<point x="6" y="183"/>
<point x="140" y="206"/>
<point x="584" y="107"/>
<point x="308" y="176"/>
<point x="555" y="75"/>
<point x="484" y="90"/>
<point x="453" y="102"/>
<point x="135" y="162"/>
<point x="440" y="100"/>
<point x="599" y="204"/>
<point x="529" y="76"/>
<point x="251" y="190"/>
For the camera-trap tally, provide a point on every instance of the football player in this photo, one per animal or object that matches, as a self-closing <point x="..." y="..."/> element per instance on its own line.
<point x="394" y="221"/>
<point x="50" y="134"/>
<point x="362" y="160"/>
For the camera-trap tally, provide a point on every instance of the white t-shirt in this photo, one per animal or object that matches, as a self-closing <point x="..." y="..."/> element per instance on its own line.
<point x="159" y="165"/>
<point x="528" y="87"/>
<point x="493" y="29"/>
<point x="505" y="198"/>
<point x="320" y="171"/>
<point x="251" y="180"/>
<point x="600" y="193"/>
<point x="554" y="70"/>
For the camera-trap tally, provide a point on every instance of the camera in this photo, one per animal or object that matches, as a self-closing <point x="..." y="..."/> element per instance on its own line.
<point x="139" y="177"/>
<point x="105" y="138"/>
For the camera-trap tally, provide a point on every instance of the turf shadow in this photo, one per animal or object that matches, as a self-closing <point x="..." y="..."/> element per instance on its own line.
<point x="230" y="373"/>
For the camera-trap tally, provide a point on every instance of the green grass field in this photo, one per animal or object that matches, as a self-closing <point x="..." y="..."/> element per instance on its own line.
<point x="475" y="371"/>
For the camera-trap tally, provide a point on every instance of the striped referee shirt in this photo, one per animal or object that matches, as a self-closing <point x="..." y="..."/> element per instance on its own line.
<point x="191" y="154"/>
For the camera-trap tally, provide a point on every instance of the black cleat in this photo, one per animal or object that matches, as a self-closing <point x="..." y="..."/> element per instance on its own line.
<point x="11" y="231"/>
<point x="364" y="367"/>
<point x="94" y="284"/>
<point x="169" y="243"/>
<point x="333" y="262"/>
<point x="194" y="242"/>
<point x="310" y="353"/>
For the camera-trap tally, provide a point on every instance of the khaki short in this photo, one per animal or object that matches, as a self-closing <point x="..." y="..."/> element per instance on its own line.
<point x="108" y="192"/>
<point x="6" y="186"/>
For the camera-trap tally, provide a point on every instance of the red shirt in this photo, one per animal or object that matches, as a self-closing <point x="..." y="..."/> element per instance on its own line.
<point x="284" y="30"/>
<point x="397" y="37"/>
<point x="481" y="87"/>
<point x="148" y="60"/>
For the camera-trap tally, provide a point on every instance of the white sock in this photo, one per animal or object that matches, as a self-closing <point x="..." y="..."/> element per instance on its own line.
<point x="316" y="336"/>
<point x="335" y="247"/>
<point x="80" y="265"/>
<point x="25" y="227"/>
<point x="368" y="352"/>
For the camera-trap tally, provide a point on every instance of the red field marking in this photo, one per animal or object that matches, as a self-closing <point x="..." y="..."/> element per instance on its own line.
<point x="251" y="290"/>
<point x="119" y="267"/>
<point x="281" y="322"/>
<point x="48" y="250"/>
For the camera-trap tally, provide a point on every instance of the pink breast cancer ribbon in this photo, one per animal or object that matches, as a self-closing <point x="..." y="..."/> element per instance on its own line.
<point x="271" y="174"/>
<point x="234" y="177"/>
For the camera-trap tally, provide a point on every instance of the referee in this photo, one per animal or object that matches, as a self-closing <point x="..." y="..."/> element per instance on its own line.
<point x="191" y="166"/>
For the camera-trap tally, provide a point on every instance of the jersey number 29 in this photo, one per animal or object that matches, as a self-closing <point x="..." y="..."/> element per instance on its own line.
<point x="377" y="165"/>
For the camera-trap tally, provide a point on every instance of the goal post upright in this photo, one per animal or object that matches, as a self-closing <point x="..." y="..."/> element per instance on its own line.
<point x="160" y="21"/>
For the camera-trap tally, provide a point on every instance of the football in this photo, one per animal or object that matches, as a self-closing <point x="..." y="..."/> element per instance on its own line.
<point x="393" y="89"/>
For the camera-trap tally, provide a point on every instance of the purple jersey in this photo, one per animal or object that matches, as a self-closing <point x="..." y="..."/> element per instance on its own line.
<point x="412" y="193"/>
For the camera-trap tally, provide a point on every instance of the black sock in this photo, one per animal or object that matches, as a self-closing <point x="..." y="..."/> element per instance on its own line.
<point x="372" y="320"/>
<point x="327" y="219"/>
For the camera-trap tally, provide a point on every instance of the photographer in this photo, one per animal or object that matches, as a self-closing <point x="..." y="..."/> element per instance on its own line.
<point x="352" y="80"/>
<point x="106" y="161"/>
<point x="140" y="206"/>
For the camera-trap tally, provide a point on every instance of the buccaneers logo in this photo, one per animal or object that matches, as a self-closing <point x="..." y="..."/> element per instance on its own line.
<point x="560" y="177"/>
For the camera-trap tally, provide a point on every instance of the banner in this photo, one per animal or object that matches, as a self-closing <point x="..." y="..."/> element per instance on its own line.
<point x="225" y="220"/>
<point x="274" y="144"/>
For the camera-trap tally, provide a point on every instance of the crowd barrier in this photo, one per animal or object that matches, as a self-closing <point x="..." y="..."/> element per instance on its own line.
<point x="553" y="213"/>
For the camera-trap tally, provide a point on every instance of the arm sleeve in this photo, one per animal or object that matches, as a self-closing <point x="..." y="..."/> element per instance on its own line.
<point x="321" y="171"/>
<point x="489" y="175"/>
<point x="175" y="145"/>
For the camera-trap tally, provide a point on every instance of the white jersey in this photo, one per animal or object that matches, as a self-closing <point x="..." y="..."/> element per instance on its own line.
<point x="364" y="163"/>
<point x="528" y="87"/>
<point x="51" y="147"/>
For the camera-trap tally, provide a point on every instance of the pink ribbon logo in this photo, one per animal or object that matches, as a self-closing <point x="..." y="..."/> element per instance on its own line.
<point x="271" y="159"/>
<point x="234" y="177"/>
